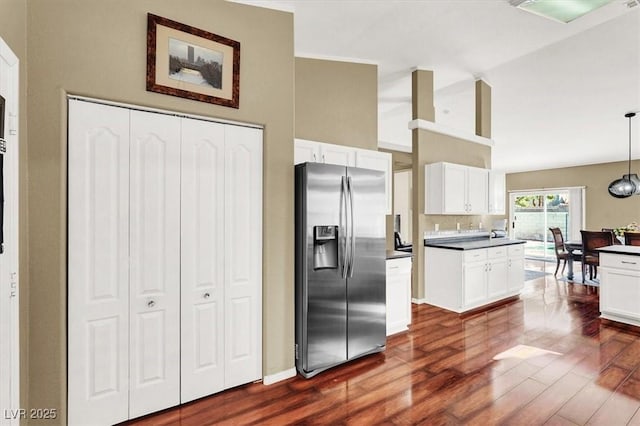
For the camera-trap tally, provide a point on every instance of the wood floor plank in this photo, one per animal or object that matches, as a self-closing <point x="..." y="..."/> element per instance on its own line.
<point x="591" y="397"/>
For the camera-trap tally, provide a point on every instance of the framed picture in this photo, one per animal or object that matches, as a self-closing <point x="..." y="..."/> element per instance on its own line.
<point x="192" y="63"/>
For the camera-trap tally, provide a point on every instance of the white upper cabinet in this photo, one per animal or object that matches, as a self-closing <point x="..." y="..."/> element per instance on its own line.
<point x="497" y="192"/>
<point x="376" y="160"/>
<point x="456" y="189"/>
<point x="337" y="154"/>
<point x="319" y="152"/>
<point x="306" y="152"/>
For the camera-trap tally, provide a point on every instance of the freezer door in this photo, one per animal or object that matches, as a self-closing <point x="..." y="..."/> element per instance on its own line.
<point x="366" y="281"/>
<point x="321" y="302"/>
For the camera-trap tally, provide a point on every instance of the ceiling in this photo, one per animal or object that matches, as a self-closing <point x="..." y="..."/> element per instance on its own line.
<point x="559" y="91"/>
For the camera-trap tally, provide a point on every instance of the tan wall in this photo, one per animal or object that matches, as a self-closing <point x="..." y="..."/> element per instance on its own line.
<point x="602" y="210"/>
<point x="337" y="102"/>
<point x="98" y="48"/>
<point x="13" y="30"/>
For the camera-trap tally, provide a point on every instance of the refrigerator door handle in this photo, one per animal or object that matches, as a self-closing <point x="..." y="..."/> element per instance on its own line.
<point x="351" y="229"/>
<point x="344" y="226"/>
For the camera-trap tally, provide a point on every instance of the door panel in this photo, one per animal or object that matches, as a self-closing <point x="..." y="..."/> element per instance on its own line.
<point x="454" y="187"/>
<point x="155" y="263"/>
<point x="477" y="190"/>
<point x="202" y="259"/>
<point x="98" y="298"/>
<point x="366" y="297"/>
<point x="243" y="250"/>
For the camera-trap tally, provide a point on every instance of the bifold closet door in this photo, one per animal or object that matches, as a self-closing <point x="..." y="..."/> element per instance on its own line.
<point x="154" y="278"/>
<point x="98" y="271"/>
<point x="243" y="250"/>
<point x="203" y="253"/>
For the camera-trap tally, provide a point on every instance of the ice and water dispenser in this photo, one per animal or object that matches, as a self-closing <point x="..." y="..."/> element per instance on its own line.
<point x="325" y="247"/>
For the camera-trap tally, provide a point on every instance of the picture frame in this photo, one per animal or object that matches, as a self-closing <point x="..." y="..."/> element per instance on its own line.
<point x="192" y="63"/>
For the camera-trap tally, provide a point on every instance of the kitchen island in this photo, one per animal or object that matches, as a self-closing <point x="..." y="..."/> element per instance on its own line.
<point x="467" y="273"/>
<point x="620" y="284"/>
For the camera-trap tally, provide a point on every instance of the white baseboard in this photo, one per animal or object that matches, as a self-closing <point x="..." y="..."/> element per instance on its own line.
<point x="418" y="301"/>
<point x="278" y="377"/>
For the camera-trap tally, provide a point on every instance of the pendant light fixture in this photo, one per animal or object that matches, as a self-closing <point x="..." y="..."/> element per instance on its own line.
<point x="629" y="184"/>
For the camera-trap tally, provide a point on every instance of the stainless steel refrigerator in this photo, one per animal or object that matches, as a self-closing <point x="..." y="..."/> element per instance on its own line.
<point x="340" y="265"/>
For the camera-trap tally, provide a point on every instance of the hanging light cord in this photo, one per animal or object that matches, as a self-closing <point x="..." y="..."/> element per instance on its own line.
<point x="630" y="116"/>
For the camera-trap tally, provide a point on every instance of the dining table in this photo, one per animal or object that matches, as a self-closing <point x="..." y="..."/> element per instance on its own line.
<point x="571" y="247"/>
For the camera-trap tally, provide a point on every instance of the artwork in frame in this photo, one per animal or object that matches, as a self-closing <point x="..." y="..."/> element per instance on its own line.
<point x="192" y="63"/>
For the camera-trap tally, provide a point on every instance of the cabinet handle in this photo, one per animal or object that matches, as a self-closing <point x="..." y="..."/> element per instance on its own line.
<point x="628" y="263"/>
<point x="151" y="303"/>
<point x="394" y="267"/>
<point x="323" y="158"/>
<point x="206" y="295"/>
<point x="314" y="157"/>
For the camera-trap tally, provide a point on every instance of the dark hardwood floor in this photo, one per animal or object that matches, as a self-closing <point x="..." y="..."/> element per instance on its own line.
<point x="572" y="368"/>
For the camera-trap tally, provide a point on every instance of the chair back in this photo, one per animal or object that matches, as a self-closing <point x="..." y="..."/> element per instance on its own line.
<point x="558" y="240"/>
<point x="591" y="240"/>
<point x="397" y="241"/>
<point x="615" y="238"/>
<point x="632" y="238"/>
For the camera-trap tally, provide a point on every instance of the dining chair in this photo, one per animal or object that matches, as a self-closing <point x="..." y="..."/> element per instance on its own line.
<point x="616" y="241"/>
<point x="632" y="238"/>
<point x="591" y="240"/>
<point x="561" y="251"/>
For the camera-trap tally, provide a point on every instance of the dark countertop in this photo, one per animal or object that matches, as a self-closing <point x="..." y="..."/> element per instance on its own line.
<point x="472" y="243"/>
<point x="621" y="249"/>
<point x="393" y="254"/>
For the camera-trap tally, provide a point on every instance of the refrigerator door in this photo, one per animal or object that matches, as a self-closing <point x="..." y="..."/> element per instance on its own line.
<point x="321" y="305"/>
<point x="366" y="281"/>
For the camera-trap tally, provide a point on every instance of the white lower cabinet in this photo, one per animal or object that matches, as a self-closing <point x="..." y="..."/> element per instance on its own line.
<point x="398" y="294"/>
<point x="620" y="288"/>
<point x="165" y="258"/>
<point x="461" y="280"/>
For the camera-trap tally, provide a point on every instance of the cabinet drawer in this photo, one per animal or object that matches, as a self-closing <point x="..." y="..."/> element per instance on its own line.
<point x="399" y="266"/>
<point x="475" y="255"/>
<point x="497" y="252"/>
<point x="620" y="261"/>
<point x="516" y="250"/>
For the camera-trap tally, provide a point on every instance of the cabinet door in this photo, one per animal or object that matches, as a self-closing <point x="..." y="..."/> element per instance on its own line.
<point x="375" y="160"/>
<point x="475" y="284"/>
<point x="454" y="184"/>
<point x="155" y="263"/>
<point x="202" y="259"/>
<point x="337" y="154"/>
<point x="305" y="151"/>
<point x="620" y="292"/>
<point x="398" y="295"/>
<point x="477" y="190"/>
<point x="243" y="249"/>
<point x="497" y="192"/>
<point x="98" y="275"/>
<point x="516" y="274"/>
<point x="497" y="278"/>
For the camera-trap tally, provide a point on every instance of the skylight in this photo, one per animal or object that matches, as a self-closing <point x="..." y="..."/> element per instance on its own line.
<point x="559" y="10"/>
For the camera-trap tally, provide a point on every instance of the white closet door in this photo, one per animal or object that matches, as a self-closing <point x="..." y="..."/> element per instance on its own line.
<point x="203" y="253"/>
<point x="98" y="294"/>
<point x="155" y="263"/>
<point x="243" y="262"/>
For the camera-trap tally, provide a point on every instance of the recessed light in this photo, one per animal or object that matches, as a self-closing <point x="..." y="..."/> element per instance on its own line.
<point x="561" y="11"/>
